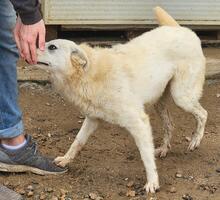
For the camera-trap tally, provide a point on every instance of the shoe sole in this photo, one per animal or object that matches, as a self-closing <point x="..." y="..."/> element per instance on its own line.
<point x="23" y="168"/>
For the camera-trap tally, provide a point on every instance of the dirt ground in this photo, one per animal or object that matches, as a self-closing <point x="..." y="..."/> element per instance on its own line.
<point x="109" y="166"/>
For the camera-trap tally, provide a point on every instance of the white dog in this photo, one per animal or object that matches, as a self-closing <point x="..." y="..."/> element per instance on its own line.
<point x="115" y="83"/>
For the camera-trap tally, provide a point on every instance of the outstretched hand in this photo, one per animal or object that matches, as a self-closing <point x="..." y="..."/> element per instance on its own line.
<point x="28" y="38"/>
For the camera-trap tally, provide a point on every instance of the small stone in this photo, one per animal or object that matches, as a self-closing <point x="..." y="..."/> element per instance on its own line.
<point x="42" y="196"/>
<point x="139" y="189"/>
<point x="213" y="189"/>
<point x="6" y="183"/>
<point x="130" y="193"/>
<point x="63" y="192"/>
<point x="218" y="95"/>
<point x="80" y="121"/>
<point x="20" y="191"/>
<point x="187" y="197"/>
<point x="179" y="174"/>
<point x="190" y="178"/>
<point x="99" y="198"/>
<point x="30" y="193"/>
<point x="218" y="170"/>
<point x="54" y="198"/>
<point x="34" y="182"/>
<point x="93" y="195"/>
<point x="130" y="184"/>
<point x="49" y="189"/>
<point x="30" y="188"/>
<point x="153" y="198"/>
<point x="188" y="139"/>
<point x="81" y="117"/>
<point x="48" y="104"/>
<point x="206" y="187"/>
<point x="126" y="179"/>
<point x="49" y="135"/>
<point x="172" y="190"/>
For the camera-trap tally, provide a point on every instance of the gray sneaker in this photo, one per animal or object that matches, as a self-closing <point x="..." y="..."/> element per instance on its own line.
<point x="28" y="159"/>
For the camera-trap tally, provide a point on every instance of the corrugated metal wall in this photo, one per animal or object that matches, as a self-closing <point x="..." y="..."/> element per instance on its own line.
<point x="106" y="12"/>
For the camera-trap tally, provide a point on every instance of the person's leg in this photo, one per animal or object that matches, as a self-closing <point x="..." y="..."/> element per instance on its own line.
<point x="11" y="127"/>
<point x="18" y="153"/>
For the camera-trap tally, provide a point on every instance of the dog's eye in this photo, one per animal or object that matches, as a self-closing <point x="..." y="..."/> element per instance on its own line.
<point x="52" y="47"/>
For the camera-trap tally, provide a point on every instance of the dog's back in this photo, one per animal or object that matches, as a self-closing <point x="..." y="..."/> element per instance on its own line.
<point x="155" y="57"/>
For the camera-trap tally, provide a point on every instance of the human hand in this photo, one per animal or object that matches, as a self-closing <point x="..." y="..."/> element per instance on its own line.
<point x="26" y="37"/>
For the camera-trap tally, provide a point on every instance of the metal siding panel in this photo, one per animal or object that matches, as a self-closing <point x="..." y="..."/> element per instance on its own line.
<point x="129" y="11"/>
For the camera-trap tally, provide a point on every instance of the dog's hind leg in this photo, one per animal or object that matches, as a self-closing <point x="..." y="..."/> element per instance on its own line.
<point x="88" y="127"/>
<point x="140" y="128"/>
<point x="167" y="122"/>
<point x="186" y="90"/>
<point x="200" y="115"/>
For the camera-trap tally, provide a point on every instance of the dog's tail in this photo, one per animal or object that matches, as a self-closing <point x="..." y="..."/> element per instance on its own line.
<point x="164" y="18"/>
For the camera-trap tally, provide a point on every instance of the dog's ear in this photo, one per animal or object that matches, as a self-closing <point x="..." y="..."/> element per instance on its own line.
<point x="79" y="58"/>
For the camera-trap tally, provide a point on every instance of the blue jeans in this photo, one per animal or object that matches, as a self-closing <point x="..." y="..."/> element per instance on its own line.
<point x="10" y="114"/>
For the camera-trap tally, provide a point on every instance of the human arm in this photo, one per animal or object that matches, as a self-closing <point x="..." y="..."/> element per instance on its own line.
<point x="29" y="31"/>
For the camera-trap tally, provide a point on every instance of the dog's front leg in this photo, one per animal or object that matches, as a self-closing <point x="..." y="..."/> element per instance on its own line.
<point x="140" y="129"/>
<point x="88" y="127"/>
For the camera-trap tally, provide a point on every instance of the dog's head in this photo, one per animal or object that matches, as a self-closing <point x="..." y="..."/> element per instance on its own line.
<point x="63" y="56"/>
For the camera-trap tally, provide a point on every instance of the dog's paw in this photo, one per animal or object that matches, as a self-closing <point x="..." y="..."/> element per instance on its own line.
<point x="62" y="161"/>
<point x="194" y="143"/>
<point x="152" y="187"/>
<point x="162" y="151"/>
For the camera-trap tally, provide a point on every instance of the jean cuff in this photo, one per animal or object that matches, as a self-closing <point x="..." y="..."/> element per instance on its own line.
<point x="13" y="131"/>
